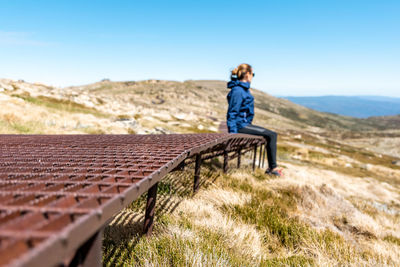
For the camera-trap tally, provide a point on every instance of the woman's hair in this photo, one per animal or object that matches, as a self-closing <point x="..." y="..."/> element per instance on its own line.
<point x="240" y="71"/>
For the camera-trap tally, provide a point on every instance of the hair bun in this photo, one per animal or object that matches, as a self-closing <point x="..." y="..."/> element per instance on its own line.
<point x="240" y="71"/>
<point x="235" y="71"/>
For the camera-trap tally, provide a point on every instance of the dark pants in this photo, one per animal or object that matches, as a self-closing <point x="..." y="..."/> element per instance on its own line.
<point x="270" y="137"/>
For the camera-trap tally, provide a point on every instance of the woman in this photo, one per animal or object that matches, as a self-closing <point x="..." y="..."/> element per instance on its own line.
<point x="241" y="112"/>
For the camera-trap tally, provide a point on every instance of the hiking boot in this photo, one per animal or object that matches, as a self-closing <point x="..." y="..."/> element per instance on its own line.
<point x="276" y="172"/>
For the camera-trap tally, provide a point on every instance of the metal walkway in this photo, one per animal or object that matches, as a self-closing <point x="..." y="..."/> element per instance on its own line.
<point x="57" y="192"/>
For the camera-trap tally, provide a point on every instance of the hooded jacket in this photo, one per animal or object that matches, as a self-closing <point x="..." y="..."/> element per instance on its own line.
<point x="241" y="106"/>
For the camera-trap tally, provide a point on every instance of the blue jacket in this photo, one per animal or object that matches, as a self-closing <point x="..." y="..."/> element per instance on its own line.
<point x="241" y="106"/>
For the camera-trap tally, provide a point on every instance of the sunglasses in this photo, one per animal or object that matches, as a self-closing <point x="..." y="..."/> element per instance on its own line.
<point x="254" y="74"/>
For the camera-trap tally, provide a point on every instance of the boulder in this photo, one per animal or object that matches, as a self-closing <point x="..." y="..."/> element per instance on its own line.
<point x="180" y="116"/>
<point x="161" y="130"/>
<point x="6" y="86"/>
<point x="163" y="116"/>
<point x="298" y="136"/>
<point x="126" y="122"/>
<point x="367" y="167"/>
<point x="184" y="116"/>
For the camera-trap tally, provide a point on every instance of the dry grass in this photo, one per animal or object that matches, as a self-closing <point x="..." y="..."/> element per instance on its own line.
<point x="11" y="123"/>
<point x="47" y="116"/>
<point x="337" y="205"/>
<point x="249" y="219"/>
<point x="60" y="104"/>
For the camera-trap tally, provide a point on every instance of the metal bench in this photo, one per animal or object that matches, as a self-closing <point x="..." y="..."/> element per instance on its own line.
<point x="57" y="192"/>
<point x="223" y="128"/>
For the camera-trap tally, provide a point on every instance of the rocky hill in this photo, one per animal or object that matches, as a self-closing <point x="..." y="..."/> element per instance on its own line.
<point x="338" y="203"/>
<point x="155" y="106"/>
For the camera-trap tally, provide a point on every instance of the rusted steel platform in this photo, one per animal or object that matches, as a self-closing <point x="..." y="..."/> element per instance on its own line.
<point x="57" y="192"/>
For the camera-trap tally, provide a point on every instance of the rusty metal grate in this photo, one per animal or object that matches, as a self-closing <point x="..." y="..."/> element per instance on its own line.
<point x="56" y="191"/>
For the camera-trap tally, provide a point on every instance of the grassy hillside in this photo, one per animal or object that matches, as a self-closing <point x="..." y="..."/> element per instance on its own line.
<point x="338" y="203"/>
<point x="246" y="218"/>
<point x="301" y="116"/>
<point x="163" y="103"/>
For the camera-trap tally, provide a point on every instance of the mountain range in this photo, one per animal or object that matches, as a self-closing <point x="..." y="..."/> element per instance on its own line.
<point x="354" y="106"/>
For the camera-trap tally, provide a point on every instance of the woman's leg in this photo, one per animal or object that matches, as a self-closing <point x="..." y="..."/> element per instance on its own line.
<point x="271" y="138"/>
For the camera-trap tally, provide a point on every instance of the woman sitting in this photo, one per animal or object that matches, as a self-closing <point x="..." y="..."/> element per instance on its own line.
<point x="241" y="112"/>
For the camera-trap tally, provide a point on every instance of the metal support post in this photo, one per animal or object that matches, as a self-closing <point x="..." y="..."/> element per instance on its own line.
<point x="89" y="254"/>
<point x="197" y="173"/>
<point x="150" y="209"/>
<point x="265" y="149"/>
<point x="180" y="167"/>
<point x="225" y="167"/>
<point x="254" y="157"/>
<point x="259" y="157"/>
<point x="238" y="158"/>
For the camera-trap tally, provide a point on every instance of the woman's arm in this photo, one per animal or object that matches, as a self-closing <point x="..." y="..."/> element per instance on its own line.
<point x="235" y="102"/>
<point x="251" y="113"/>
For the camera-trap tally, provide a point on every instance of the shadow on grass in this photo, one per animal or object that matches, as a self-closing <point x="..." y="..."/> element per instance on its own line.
<point x="126" y="229"/>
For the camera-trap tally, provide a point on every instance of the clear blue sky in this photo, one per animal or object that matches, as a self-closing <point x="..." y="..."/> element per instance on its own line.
<point x="297" y="47"/>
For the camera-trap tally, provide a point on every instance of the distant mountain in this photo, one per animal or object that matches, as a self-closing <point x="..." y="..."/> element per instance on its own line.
<point x="156" y="106"/>
<point x="354" y="106"/>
